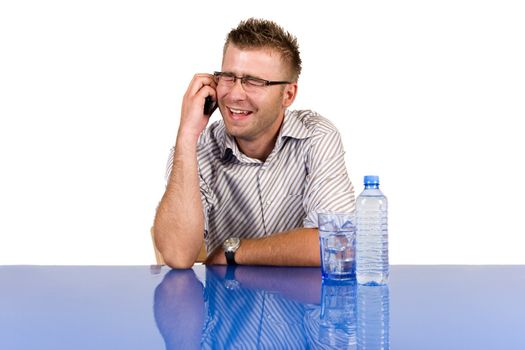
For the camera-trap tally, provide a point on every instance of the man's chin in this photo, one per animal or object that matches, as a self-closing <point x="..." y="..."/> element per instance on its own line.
<point x="234" y="132"/>
<point x="234" y="129"/>
<point x="238" y="132"/>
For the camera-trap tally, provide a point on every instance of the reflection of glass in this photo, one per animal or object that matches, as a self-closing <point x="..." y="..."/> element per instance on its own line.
<point x="338" y="314"/>
<point x="373" y="304"/>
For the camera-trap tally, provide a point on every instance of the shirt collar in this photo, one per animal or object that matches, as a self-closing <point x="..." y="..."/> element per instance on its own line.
<point x="229" y="147"/>
<point x="293" y="126"/>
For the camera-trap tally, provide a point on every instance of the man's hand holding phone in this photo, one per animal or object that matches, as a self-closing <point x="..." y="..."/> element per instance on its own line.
<point x="209" y="106"/>
<point x="199" y="102"/>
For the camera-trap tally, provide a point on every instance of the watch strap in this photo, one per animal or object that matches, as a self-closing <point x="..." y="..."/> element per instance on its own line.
<point x="230" y="257"/>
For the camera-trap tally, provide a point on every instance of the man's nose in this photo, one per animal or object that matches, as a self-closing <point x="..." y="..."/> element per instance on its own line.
<point x="237" y="90"/>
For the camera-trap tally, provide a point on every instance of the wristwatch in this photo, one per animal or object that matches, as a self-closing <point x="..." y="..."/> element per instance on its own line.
<point x="230" y="246"/>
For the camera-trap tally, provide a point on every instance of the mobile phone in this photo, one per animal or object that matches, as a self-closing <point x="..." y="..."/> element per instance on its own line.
<point x="209" y="103"/>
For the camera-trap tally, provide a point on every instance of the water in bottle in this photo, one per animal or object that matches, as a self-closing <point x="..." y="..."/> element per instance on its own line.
<point x="372" y="234"/>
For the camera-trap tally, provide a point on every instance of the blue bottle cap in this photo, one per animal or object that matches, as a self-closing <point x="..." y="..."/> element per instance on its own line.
<point x="371" y="180"/>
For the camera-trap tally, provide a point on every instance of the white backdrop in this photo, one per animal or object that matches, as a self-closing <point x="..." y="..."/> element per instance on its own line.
<point x="428" y="95"/>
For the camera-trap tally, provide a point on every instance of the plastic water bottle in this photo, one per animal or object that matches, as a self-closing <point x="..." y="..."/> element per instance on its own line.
<point x="372" y="234"/>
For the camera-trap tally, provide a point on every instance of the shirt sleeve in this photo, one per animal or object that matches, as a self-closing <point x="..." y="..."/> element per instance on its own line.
<point x="328" y="187"/>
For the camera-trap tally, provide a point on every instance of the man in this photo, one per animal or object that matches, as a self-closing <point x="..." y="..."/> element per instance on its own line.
<point x="252" y="184"/>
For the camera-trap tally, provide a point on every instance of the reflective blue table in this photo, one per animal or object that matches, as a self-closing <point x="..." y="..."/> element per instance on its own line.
<point x="153" y="307"/>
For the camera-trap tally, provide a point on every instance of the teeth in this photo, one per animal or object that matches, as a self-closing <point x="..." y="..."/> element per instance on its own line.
<point x="238" y="111"/>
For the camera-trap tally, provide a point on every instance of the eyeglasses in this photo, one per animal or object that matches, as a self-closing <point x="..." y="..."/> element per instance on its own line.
<point x="249" y="83"/>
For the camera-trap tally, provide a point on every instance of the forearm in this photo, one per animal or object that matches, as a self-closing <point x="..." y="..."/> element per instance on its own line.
<point x="179" y="223"/>
<point x="297" y="247"/>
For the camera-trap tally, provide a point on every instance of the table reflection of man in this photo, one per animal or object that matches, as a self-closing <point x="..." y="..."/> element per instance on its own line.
<point x="269" y="308"/>
<point x="242" y="307"/>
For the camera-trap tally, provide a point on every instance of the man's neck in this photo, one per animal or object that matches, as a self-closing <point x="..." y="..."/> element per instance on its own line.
<point x="257" y="149"/>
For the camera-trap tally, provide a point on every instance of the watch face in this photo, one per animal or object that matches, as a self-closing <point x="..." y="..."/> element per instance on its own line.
<point x="231" y="244"/>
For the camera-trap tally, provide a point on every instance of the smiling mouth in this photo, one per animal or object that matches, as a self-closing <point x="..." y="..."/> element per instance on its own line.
<point x="239" y="114"/>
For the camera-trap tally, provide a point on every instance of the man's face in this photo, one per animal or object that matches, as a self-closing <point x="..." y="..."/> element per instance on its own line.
<point x="257" y="114"/>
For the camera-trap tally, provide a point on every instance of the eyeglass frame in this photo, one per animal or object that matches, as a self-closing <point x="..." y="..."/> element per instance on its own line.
<point x="243" y="80"/>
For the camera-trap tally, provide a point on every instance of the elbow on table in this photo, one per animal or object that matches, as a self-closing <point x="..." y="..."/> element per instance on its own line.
<point x="172" y="255"/>
<point x="179" y="262"/>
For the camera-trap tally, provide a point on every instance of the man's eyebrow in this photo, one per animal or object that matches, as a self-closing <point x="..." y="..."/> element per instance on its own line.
<point x="253" y="77"/>
<point x="244" y="75"/>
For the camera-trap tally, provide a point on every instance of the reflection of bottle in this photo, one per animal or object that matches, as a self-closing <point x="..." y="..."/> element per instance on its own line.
<point x="338" y="314"/>
<point x="373" y="304"/>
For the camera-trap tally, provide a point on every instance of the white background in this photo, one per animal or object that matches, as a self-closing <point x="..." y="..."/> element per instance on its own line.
<point x="427" y="94"/>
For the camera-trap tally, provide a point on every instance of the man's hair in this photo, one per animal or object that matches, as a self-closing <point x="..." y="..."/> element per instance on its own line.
<point x="260" y="33"/>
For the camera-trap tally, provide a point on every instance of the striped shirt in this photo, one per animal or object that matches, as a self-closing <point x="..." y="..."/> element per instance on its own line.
<point x="247" y="198"/>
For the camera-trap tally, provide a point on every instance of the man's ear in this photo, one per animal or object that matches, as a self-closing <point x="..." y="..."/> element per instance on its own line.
<point x="289" y="94"/>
